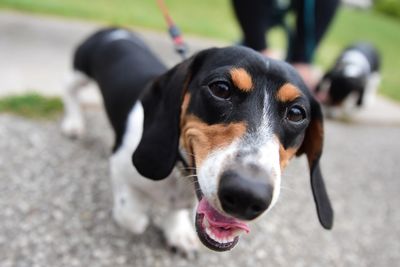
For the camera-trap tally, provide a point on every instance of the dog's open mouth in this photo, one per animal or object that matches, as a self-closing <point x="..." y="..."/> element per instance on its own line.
<point x="216" y="231"/>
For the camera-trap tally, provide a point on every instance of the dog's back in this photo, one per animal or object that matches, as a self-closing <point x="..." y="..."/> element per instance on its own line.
<point x="369" y="53"/>
<point x="122" y="65"/>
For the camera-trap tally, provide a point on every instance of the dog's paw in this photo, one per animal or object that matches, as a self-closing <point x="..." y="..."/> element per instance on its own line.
<point x="135" y="222"/>
<point x="183" y="242"/>
<point x="181" y="236"/>
<point x="72" y="127"/>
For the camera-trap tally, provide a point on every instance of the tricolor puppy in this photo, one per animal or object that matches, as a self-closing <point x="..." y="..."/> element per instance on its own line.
<point x="352" y="81"/>
<point x="233" y="116"/>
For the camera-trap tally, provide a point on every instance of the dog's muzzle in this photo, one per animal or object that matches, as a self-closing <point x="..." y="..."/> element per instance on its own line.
<point x="243" y="196"/>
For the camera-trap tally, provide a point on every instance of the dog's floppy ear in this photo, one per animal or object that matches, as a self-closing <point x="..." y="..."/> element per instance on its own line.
<point x="157" y="151"/>
<point x="312" y="147"/>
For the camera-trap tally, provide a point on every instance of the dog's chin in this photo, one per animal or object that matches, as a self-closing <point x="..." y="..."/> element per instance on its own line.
<point x="216" y="231"/>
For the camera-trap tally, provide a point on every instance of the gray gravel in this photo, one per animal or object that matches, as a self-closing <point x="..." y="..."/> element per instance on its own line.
<point x="55" y="197"/>
<point x="55" y="203"/>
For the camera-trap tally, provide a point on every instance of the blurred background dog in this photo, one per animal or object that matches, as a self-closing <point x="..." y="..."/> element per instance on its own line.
<point x="352" y="81"/>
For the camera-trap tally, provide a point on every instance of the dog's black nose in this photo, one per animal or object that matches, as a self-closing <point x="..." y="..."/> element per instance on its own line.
<point x="244" y="196"/>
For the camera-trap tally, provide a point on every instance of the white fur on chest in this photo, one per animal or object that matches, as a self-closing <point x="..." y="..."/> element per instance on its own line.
<point x="174" y="190"/>
<point x="135" y="195"/>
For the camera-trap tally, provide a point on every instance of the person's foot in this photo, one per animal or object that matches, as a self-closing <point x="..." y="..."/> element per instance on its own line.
<point x="309" y="74"/>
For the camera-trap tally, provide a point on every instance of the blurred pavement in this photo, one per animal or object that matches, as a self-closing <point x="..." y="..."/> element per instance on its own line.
<point x="55" y="197"/>
<point x="36" y="51"/>
<point x="36" y="54"/>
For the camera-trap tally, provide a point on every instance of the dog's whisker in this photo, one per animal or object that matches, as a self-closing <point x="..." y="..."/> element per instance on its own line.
<point x="188" y="168"/>
<point x="190" y="176"/>
<point x="188" y="153"/>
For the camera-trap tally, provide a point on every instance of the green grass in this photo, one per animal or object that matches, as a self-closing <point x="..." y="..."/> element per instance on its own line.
<point x="31" y="105"/>
<point x="193" y="16"/>
<point x="382" y="31"/>
<point x="214" y="18"/>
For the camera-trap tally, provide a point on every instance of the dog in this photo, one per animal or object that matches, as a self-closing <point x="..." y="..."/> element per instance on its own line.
<point x="352" y="82"/>
<point x="229" y="118"/>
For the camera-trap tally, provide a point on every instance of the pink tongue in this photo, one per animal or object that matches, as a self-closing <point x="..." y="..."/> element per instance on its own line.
<point x="217" y="219"/>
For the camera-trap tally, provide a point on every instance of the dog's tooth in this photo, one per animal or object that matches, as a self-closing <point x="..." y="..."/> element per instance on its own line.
<point x="232" y="238"/>
<point x="211" y="234"/>
<point x="208" y="232"/>
<point x="238" y="232"/>
<point x="214" y="237"/>
<point x="206" y="224"/>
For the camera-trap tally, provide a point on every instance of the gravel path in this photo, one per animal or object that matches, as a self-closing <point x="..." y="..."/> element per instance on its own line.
<point x="55" y="200"/>
<point x="55" y="196"/>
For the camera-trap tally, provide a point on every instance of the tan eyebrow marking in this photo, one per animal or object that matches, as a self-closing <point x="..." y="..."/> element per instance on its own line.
<point x="242" y="79"/>
<point x="288" y="92"/>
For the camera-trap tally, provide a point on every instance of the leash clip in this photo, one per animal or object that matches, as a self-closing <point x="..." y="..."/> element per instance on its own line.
<point x="173" y="30"/>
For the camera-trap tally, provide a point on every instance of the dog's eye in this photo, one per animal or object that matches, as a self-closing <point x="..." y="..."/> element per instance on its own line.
<point x="220" y="89"/>
<point x="296" y="113"/>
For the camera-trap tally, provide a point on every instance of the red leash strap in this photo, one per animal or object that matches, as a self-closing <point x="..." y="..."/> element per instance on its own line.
<point x="174" y="32"/>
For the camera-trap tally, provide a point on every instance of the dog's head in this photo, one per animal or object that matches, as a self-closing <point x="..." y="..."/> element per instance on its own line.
<point x="341" y="82"/>
<point x="240" y="117"/>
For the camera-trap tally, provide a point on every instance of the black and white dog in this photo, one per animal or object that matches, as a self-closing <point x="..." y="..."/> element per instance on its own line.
<point x="234" y="117"/>
<point x="352" y="81"/>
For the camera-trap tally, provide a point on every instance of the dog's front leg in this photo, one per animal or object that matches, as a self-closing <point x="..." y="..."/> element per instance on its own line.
<point x="129" y="209"/>
<point x="128" y="212"/>
<point x="73" y="124"/>
<point x="179" y="232"/>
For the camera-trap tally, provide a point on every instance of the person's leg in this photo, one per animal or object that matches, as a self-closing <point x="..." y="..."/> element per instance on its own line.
<point x="253" y="17"/>
<point x="313" y="18"/>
